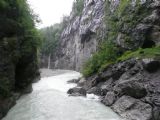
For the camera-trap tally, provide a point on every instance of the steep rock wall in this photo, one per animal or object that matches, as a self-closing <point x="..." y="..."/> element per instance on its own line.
<point x="81" y="37"/>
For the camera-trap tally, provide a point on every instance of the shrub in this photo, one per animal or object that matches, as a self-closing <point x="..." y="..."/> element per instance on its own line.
<point x="141" y="53"/>
<point x="107" y="54"/>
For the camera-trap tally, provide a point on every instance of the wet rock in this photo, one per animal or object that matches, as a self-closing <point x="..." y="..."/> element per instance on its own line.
<point x="73" y="81"/>
<point x="16" y="95"/>
<point x="132" y="109"/>
<point x="27" y="90"/>
<point x="6" y="105"/>
<point x="131" y="88"/>
<point x="133" y="93"/>
<point x="91" y="82"/>
<point x="77" y="91"/>
<point x="109" y="99"/>
<point x="94" y="90"/>
<point x="37" y="79"/>
<point x="81" y="82"/>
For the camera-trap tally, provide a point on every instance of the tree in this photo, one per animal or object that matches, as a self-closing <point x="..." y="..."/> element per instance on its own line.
<point x="19" y="45"/>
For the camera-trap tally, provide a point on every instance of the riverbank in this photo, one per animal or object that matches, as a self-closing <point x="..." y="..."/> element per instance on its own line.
<point x="130" y="88"/>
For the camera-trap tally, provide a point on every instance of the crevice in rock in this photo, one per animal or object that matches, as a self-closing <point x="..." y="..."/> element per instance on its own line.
<point x="87" y="36"/>
<point x="148" y="44"/>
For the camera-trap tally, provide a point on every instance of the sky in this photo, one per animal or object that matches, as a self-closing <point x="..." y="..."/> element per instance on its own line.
<point x="50" y="11"/>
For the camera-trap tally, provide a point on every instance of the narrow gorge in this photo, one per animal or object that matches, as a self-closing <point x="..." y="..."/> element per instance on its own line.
<point x="113" y="44"/>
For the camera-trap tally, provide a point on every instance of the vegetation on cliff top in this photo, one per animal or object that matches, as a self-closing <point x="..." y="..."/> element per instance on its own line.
<point x="19" y="46"/>
<point x="51" y="35"/>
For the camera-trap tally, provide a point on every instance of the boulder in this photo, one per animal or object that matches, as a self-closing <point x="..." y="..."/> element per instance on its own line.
<point x="77" y="91"/>
<point x="132" y="109"/>
<point x="73" y="81"/>
<point x="94" y="90"/>
<point x="131" y="88"/>
<point x="81" y="82"/>
<point x="109" y="99"/>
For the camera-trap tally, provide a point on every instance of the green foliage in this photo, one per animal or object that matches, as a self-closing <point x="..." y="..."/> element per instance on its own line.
<point x="141" y="53"/>
<point x="3" y="4"/>
<point x="123" y="20"/>
<point x="50" y="36"/>
<point x="78" y="6"/>
<point x="105" y="57"/>
<point x="19" y="44"/>
<point x="107" y="54"/>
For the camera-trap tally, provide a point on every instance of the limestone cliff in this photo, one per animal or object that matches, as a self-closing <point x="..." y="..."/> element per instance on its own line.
<point x="81" y="37"/>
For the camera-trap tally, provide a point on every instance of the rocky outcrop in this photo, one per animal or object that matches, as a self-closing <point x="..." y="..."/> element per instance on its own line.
<point x="81" y="37"/>
<point x="130" y="88"/>
<point x="133" y="109"/>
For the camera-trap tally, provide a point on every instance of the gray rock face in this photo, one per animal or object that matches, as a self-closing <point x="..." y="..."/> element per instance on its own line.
<point x="134" y="94"/>
<point x="133" y="109"/>
<point x="81" y="37"/>
<point x="109" y="99"/>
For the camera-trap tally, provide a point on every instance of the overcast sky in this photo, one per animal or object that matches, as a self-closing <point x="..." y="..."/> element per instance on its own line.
<point x="51" y="11"/>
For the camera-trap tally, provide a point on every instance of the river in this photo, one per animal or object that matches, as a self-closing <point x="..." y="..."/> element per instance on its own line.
<point x="49" y="101"/>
